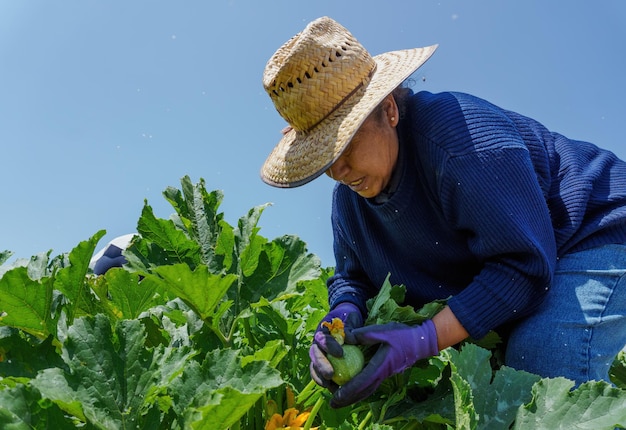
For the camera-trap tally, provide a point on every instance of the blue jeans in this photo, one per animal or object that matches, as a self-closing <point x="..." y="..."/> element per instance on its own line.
<point x="581" y="326"/>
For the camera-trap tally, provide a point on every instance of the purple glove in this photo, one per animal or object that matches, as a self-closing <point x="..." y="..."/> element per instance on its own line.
<point x="400" y="347"/>
<point x="324" y="343"/>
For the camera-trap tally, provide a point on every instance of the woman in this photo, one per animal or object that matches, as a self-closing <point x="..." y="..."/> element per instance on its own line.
<point x="521" y="227"/>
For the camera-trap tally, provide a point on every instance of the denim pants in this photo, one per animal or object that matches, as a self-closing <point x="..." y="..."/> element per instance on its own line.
<point x="581" y="326"/>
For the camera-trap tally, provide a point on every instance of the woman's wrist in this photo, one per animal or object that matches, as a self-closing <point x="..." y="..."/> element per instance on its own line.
<point x="449" y="329"/>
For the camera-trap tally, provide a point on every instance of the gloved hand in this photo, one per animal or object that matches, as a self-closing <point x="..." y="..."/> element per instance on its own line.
<point x="400" y="347"/>
<point x="324" y="343"/>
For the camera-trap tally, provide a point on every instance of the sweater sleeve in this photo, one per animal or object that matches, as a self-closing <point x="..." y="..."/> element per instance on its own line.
<point x="494" y="197"/>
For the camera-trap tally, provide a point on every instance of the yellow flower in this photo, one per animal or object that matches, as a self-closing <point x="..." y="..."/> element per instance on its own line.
<point x="336" y="329"/>
<point x="291" y="420"/>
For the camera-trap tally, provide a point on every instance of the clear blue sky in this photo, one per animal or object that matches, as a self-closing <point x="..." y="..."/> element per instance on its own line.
<point x="106" y="103"/>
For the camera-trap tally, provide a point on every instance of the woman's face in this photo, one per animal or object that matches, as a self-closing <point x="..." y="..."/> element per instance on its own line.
<point x="368" y="161"/>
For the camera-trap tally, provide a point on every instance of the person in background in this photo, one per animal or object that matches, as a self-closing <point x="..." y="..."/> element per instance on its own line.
<point x="522" y="228"/>
<point x="111" y="255"/>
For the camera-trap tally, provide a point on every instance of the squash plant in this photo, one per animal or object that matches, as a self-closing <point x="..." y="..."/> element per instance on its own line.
<point x="208" y="327"/>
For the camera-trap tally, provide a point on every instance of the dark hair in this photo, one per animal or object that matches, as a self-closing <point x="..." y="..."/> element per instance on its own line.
<point x="400" y="94"/>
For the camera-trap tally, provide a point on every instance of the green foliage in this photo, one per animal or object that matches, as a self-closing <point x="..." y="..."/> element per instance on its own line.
<point x="208" y="327"/>
<point x="4" y="256"/>
<point x="594" y="405"/>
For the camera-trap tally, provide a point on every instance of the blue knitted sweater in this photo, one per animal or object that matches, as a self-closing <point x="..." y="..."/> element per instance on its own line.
<point x="486" y="202"/>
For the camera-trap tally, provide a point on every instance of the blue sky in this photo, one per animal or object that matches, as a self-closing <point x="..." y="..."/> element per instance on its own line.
<point x="103" y="104"/>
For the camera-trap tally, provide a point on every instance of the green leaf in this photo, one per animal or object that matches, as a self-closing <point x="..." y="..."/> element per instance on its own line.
<point x="281" y="322"/>
<point x="283" y="264"/>
<point x="53" y="384"/>
<point x="248" y="243"/>
<point x="592" y="406"/>
<point x="498" y="406"/>
<point x="385" y="307"/>
<point x="492" y="403"/>
<point x="127" y="294"/>
<point x="5" y="255"/>
<point x="112" y="380"/>
<point x="438" y="407"/>
<point x="161" y="243"/>
<point x="197" y="213"/>
<point x="202" y="211"/>
<point x="41" y="266"/>
<point x="273" y="352"/>
<point x="312" y="296"/>
<point x="225" y="246"/>
<point x="465" y="413"/>
<point x="229" y="390"/>
<point x="23" y="356"/>
<point x="199" y="289"/>
<point x="15" y="409"/>
<point x="25" y="303"/>
<point x="21" y="409"/>
<point x="618" y="370"/>
<point x="71" y="279"/>
<point x="38" y="265"/>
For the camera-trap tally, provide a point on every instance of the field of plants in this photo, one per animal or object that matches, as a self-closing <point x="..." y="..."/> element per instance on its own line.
<point x="208" y="327"/>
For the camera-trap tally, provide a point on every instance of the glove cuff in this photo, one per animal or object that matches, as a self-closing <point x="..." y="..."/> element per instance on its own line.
<point x="343" y="309"/>
<point x="428" y="338"/>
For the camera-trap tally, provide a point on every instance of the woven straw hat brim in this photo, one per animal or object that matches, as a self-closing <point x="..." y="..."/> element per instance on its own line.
<point x="301" y="157"/>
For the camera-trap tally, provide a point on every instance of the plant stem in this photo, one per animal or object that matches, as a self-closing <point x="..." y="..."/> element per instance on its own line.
<point x="218" y="333"/>
<point x="365" y="420"/>
<point x="316" y="408"/>
<point x="306" y="392"/>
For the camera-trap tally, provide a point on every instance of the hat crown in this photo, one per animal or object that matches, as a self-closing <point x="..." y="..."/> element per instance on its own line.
<point x="315" y="72"/>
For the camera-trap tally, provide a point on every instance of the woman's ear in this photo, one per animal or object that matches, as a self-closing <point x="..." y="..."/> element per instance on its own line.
<point x="390" y="108"/>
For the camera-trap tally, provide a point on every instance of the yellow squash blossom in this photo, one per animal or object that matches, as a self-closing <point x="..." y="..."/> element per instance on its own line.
<point x="290" y="420"/>
<point x="336" y="329"/>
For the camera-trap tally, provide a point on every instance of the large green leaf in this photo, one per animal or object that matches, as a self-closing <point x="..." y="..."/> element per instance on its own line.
<point x="112" y="380"/>
<point x="197" y="214"/>
<point x="249" y="243"/>
<point x="385" y="307"/>
<point x="482" y="399"/>
<point x="225" y="246"/>
<point x="15" y="409"/>
<point x="273" y="352"/>
<point x="592" y="406"/>
<point x="199" y="288"/>
<point x="161" y="243"/>
<point x="20" y="409"/>
<point x="26" y="303"/>
<point x="438" y="408"/>
<point x="618" y="370"/>
<point x="4" y="256"/>
<point x="498" y="405"/>
<point x="283" y="264"/>
<point x="126" y="295"/>
<point x="217" y="394"/>
<point x="23" y="356"/>
<point x="464" y="411"/>
<point x="202" y="212"/>
<point x="70" y="280"/>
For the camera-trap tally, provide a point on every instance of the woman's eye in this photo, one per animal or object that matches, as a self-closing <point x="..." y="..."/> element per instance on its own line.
<point x="349" y="148"/>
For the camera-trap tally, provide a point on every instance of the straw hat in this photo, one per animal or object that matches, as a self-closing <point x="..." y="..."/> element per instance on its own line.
<point x="324" y="84"/>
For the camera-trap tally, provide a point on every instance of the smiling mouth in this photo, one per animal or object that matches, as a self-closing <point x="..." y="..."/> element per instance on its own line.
<point x="355" y="183"/>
